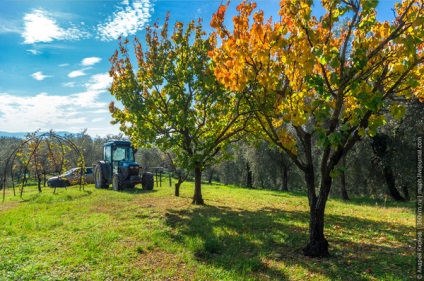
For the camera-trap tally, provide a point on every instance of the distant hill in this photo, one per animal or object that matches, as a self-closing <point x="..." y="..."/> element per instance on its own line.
<point x="21" y="135"/>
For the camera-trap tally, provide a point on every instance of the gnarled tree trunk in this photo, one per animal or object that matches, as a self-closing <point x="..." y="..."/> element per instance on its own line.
<point x="391" y="182"/>
<point x="318" y="244"/>
<point x="177" y="189"/>
<point x="343" y="189"/>
<point x="380" y="145"/>
<point x="249" y="176"/>
<point x="39" y="179"/>
<point x="210" y="176"/>
<point x="285" y="186"/>
<point x="197" y="198"/>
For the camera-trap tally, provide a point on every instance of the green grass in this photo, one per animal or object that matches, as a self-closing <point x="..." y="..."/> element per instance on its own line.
<point x="240" y="234"/>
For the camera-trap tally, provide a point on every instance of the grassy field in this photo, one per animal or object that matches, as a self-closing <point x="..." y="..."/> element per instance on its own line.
<point x="240" y="234"/>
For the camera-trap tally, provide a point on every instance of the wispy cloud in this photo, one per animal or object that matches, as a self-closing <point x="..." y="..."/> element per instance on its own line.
<point x="9" y="25"/>
<point x="39" y="76"/>
<point x="78" y="73"/>
<point x="90" y="61"/>
<point x="40" y="26"/>
<point x="131" y="17"/>
<point x="34" y="52"/>
<point x="69" y="84"/>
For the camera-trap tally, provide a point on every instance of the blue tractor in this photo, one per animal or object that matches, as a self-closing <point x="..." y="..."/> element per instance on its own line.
<point x="119" y="168"/>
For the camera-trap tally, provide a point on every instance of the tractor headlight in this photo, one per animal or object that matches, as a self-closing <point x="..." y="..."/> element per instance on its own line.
<point x="134" y="170"/>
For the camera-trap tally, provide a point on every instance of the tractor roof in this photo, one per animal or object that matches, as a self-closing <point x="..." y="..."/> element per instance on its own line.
<point x="117" y="142"/>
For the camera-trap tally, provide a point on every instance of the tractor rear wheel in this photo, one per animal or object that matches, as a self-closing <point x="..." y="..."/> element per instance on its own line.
<point x="147" y="181"/>
<point x="99" y="179"/>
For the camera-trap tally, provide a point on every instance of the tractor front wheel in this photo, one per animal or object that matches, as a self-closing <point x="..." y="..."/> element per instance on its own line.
<point x="117" y="182"/>
<point x="147" y="181"/>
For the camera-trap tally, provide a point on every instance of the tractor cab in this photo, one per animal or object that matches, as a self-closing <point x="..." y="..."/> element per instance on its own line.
<point x="116" y="153"/>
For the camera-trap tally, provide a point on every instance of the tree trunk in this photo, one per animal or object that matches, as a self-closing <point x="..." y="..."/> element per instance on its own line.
<point x="318" y="245"/>
<point x="285" y="186"/>
<point x="391" y="183"/>
<point x="170" y="179"/>
<point x="380" y="145"/>
<point x="197" y="198"/>
<point x="210" y="177"/>
<point x="249" y="178"/>
<point x="39" y="179"/>
<point x="406" y="192"/>
<point x="343" y="189"/>
<point x="177" y="189"/>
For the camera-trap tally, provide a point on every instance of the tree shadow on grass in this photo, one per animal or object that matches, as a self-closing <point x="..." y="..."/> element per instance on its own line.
<point x="267" y="244"/>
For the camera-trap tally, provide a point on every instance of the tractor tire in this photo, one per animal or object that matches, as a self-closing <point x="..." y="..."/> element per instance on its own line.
<point x="117" y="182"/>
<point x="99" y="179"/>
<point x="147" y="181"/>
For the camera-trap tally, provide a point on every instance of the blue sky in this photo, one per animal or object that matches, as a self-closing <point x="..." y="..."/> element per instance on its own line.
<point x="54" y="56"/>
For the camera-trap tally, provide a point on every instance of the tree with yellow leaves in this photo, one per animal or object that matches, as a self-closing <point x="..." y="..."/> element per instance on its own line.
<point x="317" y="82"/>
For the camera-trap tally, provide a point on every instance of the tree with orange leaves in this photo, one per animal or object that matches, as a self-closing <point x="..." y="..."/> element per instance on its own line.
<point x="317" y="82"/>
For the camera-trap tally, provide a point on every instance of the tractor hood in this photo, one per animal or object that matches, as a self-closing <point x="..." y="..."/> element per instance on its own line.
<point x="127" y="164"/>
<point x="129" y="168"/>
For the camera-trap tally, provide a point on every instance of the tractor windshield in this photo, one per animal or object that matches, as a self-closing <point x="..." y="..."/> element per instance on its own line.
<point x="123" y="153"/>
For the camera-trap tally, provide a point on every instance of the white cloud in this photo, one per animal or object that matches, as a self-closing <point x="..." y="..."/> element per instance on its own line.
<point x="77" y="73"/>
<point x="39" y="76"/>
<point x="85" y="109"/>
<point x="34" y="52"/>
<point x="130" y="18"/>
<point x="97" y="85"/>
<point x="46" y="111"/>
<point x="40" y="26"/>
<point x="63" y="64"/>
<point x="88" y="99"/>
<point x="40" y="111"/>
<point x="90" y="61"/>
<point x="97" y="120"/>
<point x="99" y="82"/>
<point x="99" y="111"/>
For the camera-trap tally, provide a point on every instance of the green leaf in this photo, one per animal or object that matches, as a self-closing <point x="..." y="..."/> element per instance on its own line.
<point x="397" y="111"/>
<point x="334" y="78"/>
<point x="369" y="4"/>
<point x="335" y="138"/>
